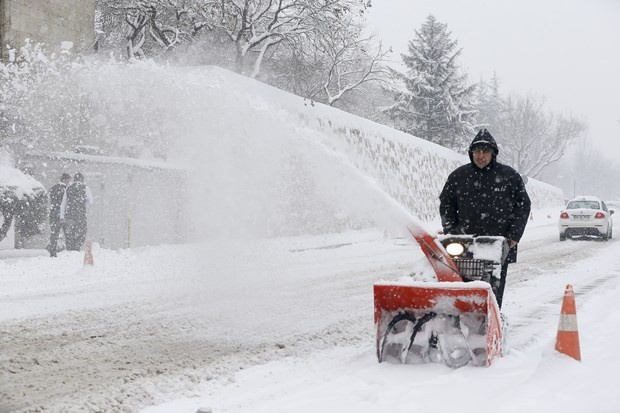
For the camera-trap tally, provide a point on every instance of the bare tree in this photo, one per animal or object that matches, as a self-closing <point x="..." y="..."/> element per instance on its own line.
<point x="532" y="138"/>
<point x="297" y="67"/>
<point x="166" y="22"/>
<point x="586" y="170"/>
<point x="258" y="25"/>
<point x="331" y="62"/>
<point x="350" y="59"/>
<point x="316" y="49"/>
<point x="136" y="19"/>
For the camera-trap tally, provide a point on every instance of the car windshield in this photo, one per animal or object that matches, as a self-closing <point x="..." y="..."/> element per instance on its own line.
<point x="583" y="204"/>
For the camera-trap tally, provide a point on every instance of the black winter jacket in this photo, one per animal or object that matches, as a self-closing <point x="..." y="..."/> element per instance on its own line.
<point x="76" y="202"/>
<point x="56" y="193"/>
<point x="489" y="201"/>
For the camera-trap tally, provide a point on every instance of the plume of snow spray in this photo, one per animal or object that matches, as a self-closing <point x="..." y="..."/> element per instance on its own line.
<point x="252" y="170"/>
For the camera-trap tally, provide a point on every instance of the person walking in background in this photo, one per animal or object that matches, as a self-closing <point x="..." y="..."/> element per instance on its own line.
<point x="73" y="212"/>
<point x="56" y="194"/>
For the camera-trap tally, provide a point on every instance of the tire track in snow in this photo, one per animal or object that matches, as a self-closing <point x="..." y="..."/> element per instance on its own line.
<point x="541" y="321"/>
<point x="125" y="357"/>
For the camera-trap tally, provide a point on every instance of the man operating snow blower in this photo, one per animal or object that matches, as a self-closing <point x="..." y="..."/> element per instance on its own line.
<point x="453" y="317"/>
<point x="485" y="197"/>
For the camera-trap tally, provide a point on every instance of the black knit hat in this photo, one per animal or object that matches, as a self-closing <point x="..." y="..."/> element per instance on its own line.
<point x="484" y="139"/>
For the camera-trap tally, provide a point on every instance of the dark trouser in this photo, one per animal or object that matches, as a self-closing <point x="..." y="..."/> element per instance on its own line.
<point x="55" y="227"/>
<point x="498" y="285"/>
<point x="75" y="233"/>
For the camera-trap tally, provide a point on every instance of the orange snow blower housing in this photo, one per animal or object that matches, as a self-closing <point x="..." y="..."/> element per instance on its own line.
<point x="455" y="319"/>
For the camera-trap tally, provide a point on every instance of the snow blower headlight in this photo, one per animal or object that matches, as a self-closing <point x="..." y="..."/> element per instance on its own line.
<point x="455" y="248"/>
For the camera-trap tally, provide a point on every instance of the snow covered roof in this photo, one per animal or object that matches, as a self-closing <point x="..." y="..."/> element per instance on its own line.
<point x="17" y="182"/>
<point x="143" y="163"/>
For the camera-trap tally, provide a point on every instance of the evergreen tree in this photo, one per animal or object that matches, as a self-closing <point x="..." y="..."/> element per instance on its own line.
<point x="489" y="105"/>
<point x="436" y="103"/>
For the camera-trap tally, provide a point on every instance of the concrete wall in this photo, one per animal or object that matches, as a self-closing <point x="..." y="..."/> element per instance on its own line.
<point x="136" y="203"/>
<point x="47" y="21"/>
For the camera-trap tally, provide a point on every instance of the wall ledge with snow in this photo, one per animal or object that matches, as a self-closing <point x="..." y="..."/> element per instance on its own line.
<point x="412" y="170"/>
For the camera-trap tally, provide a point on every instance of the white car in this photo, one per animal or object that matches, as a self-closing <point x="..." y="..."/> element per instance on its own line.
<point x="586" y="215"/>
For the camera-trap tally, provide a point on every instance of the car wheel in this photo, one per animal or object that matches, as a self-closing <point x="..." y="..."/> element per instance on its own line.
<point x="605" y="236"/>
<point x="562" y="237"/>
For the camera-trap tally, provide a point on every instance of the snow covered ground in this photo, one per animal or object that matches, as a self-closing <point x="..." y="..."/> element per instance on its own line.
<point x="286" y="325"/>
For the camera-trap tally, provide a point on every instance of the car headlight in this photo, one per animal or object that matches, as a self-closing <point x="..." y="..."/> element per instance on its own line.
<point x="455" y="248"/>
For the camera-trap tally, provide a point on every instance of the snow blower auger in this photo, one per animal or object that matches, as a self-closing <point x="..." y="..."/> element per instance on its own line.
<point x="454" y="320"/>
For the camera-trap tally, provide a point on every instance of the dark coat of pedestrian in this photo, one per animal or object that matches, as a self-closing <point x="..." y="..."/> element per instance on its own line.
<point x="73" y="212"/>
<point x="485" y="197"/>
<point x="56" y="194"/>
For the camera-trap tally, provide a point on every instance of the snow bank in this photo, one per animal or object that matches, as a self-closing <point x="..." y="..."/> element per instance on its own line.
<point x="18" y="183"/>
<point x="261" y="161"/>
<point x="409" y="169"/>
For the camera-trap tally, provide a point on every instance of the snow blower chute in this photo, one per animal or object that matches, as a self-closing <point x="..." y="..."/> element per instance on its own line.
<point x="454" y="320"/>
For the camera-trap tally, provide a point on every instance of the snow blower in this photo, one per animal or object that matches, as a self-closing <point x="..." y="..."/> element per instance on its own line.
<point x="454" y="320"/>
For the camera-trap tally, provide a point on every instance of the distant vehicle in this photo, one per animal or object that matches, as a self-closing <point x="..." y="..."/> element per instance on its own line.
<point x="586" y="215"/>
<point x="87" y="150"/>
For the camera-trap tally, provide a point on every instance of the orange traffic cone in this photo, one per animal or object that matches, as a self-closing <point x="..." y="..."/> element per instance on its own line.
<point x="567" y="340"/>
<point x="88" y="254"/>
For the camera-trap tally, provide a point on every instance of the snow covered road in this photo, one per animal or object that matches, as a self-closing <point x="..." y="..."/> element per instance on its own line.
<point x="149" y="326"/>
<point x="102" y="338"/>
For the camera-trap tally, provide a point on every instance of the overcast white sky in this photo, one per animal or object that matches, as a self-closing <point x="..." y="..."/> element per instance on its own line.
<point x="566" y="50"/>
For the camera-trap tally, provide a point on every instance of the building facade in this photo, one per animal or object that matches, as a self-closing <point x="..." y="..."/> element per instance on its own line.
<point x="47" y="21"/>
<point x="136" y="203"/>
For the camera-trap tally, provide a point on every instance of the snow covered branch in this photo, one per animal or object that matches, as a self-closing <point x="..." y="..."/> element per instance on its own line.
<point x="532" y="138"/>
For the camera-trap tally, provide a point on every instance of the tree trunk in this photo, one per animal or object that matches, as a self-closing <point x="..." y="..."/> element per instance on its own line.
<point x="239" y="60"/>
